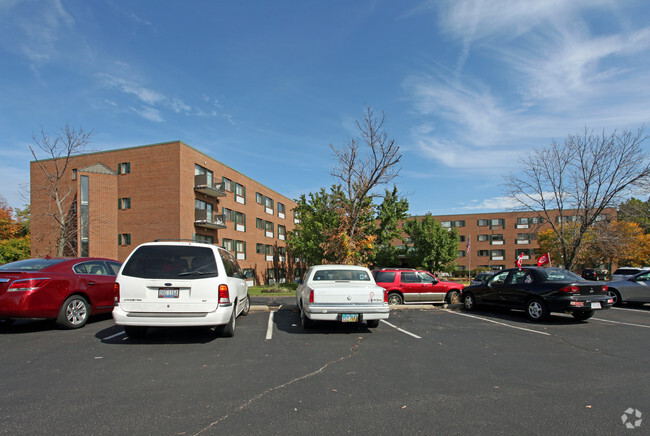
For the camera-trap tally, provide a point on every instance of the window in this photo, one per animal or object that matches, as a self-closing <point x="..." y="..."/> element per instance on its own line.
<point x="227" y="214"/>
<point x="461" y="253"/>
<point x="409" y="277"/>
<point x="282" y="232"/>
<point x="281" y="210"/>
<point x="483" y="253"/>
<point x="497" y="222"/>
<point x="203" y="239"/>
<point x="240" y="250"/>
<point x="461" y="238"/>
<point x="259" y="198"/>
<point x="483" y="238"/>
<point x="240" y="193"/>
<point x="483" y="223"/>
<point x="268" y="228"/>
<point x="445" y="224"/>
<point x="124" y="203"/>
<point x="259" y="223"/>
<point x="227" y="183"/>
<point x="84" y="218"/>
<point x="74" y="174"/>
<point x="496" y="240"/>
<point x="240" y="221"/>
<point x="124" y="239"/>
<point x="498" y="254"/>
<point x="259" y="248"/>
<point x="199" y="170"/>
<point x="124" y="168"/>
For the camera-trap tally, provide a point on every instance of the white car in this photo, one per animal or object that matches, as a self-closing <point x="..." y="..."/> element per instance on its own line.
<point x="343" y="293"/>
<point x="175" y="284"/>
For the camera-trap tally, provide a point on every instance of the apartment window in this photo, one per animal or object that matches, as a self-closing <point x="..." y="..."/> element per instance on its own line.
<point x="268" y="203"/>
<point x="259" y="248"/>
<point x="227" y="183"/>
<point x="204" y="239"/>
<point x="296" y="217"/>
<point x="483" y="253"/>
<point x="497" y="222"/>
<point x="527" y="252"/>
<point x="536" y="220"/>
<point x="445" y="224"/>
<point x="282" y="232"/>
<point x="227" y="244"/>
<point x="240" y="250"/>
<point x="461" y="238"/>
<point x="240" y="193"/>
<point x="268" y="229"/>
<point x="84" y="216"/>
<point x="281" y="210"/>
<point x="240" y="221"/>
<point x="199" y="171"/>
<point x="124" y="168"/>
<point x="483" y="223"/>
<point x="483" y="238"/>
<point x="269" y="250"/>
<point x="124" y="239"/>
<point x="461" y="253"/>
<point x="259" y="223"/>
<point x="459" y="223"/>
<point x="124" y="203"/>
<point x="496" y="240"/>
<point x="227" y="214"/>
<point x="74" y="174"/>
<point x="498" y="254"/>
<point x="259" y="198"/>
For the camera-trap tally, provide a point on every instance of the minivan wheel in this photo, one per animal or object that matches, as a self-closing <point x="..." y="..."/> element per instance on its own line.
<point x="74" y="313"/>
<point x="228" y="330"/>
<point x="135" y="332"/>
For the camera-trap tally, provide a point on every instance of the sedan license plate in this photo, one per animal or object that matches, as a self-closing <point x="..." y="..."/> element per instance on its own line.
<point x="349" y="317"/>
<point x="168" y="293"/>
<point x="596" y="305"/>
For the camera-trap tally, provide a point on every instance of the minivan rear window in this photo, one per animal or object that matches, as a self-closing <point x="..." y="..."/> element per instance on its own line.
<point x="171" y="262"/>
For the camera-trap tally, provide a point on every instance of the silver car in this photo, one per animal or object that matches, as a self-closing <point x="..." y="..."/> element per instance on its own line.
<point x="635" y="289"/>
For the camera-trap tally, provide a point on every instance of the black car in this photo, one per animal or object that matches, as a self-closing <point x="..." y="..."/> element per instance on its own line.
<point x="539" y="291"/>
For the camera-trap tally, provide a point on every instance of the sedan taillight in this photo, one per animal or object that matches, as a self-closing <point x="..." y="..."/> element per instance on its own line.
<point x="385" y="296"/>
<point x="224" y="295"/>
<point x="604" y="289"/>
<point x="116" y="294"/>
<point x="28" y="284"/>
<point x="311" y="296"/>
<point x="570" y="289"/>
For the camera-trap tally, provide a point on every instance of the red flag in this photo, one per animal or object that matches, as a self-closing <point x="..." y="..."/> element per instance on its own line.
<point x="544" y="258"/>
<point x="519" y="260"/>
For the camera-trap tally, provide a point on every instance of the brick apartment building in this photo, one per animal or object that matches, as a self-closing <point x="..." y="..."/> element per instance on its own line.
<point x="121" y="198"/>
<point x="497" y="239"/>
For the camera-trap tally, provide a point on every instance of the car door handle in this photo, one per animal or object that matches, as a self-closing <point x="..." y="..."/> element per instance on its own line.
<point x="91" y="283"/>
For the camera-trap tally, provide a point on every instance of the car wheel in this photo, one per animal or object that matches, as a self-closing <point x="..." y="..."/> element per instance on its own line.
<point x="373" y="323"/>
<point x="228" y="330"/>
<point x="582" y="315"/>
<point x="469" y="302"/>
<point x="135" y="332"/>
<point x="453" y="297"/>
<point x="247" y="306"/>
<point x="395" y="299"/>
<point x="74" y="313"/>
<point x="536" y="310"/>
<point x="613" y="293"/>
<point x="305" y="321"/>
<point x="6" y="322"/>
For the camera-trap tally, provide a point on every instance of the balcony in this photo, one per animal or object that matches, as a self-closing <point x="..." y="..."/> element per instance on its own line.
<point x="201" y="185"/>
<point x="215" y="221"/>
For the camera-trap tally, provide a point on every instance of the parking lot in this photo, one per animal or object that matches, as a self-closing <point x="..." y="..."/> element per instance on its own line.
<point x="428" y="369"/>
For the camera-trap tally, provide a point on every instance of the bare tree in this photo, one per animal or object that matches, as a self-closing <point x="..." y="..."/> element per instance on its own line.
<point x="363" y="164"/>
<point x="578" y="180"/>
<point x="59" y="149"/>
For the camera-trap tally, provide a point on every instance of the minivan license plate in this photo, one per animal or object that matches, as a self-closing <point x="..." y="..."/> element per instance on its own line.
<point x="349" y="317"/>
<point x="168" y="293"/>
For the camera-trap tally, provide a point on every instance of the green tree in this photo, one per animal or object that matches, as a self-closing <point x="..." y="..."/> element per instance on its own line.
<point x="317" y="213"/>
<point x="434" y="247"/>
<point x="14" y="249"/>
<point x="389" y="242"/>
<point x="636" y="211"/>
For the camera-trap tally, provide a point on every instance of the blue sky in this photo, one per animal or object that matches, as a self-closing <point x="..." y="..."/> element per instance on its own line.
<point x="265" y="87"/>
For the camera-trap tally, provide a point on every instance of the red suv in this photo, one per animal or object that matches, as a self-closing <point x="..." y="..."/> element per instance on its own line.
<point x="413" y="286"/>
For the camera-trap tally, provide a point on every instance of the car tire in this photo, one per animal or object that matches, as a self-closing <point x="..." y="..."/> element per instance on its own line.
<point x="373" y="323"/>
<point x="583" y="315"/>
<point x="6" y="322"/>
<point x="74" y="313"/>
<point x="305" y="321"/>
<point x="536" y="310"/>
<point x="228" y="330"/>
<point x="469" y="302"/>
<point x="395" y="299"/>
<point x="616" y="296"/>
<point x="247" y="306"/>
<point x="135" y="332"/>
<point x="453" y="297"/>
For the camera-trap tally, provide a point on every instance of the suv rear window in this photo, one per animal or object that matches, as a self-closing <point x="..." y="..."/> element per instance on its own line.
<point x="385" y="277"/>
<point x="627" y="271"/>
<point x="171" y="262"/>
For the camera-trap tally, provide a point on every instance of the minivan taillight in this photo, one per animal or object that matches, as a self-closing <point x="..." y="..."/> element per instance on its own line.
<point x="116" y="294"/>
<point x="570" y="289"/>
<point x="27" y="284"/>
<point x="224" y="295"/>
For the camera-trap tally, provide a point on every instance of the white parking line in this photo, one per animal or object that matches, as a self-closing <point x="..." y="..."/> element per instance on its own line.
<point x="622" y="323"/>
<point x="113" y="336"/>
<point x="630" y="309"/>
<point x="497" y="322"/>
<point x="269" y="326"/>
<point x="401" y="330"/>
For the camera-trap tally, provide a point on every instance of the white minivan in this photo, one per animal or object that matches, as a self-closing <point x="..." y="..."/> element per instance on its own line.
<point x="175" y="284"/>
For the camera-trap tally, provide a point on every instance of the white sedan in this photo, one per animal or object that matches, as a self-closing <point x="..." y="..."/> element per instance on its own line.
<point x="343" y="293"/>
